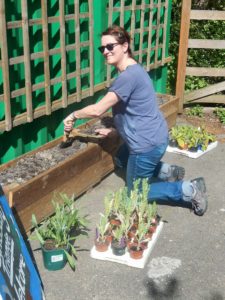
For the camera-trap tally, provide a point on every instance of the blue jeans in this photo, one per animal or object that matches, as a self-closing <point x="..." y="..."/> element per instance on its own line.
<point x="148" y="165"/>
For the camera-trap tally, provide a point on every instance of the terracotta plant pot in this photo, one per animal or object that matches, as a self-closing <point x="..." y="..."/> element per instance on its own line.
<point x="148" y="235"/>
<point x="144" y="245"/>
<point x="115" y="222"/>
<point x="136" y="252"/>
<point x="132" y="232"/>
<point x="183" y="147"/>
<point x="152" y="229"/>
<point x="108" y="238"/>
<point x="101" y="246"/>
<point x="131" y="243"/>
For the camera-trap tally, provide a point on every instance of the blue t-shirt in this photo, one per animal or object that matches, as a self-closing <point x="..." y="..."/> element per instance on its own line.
<point x="137" y="116"/>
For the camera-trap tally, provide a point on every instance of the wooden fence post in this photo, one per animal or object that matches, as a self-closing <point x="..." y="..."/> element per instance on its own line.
<point x="183" y="50"/>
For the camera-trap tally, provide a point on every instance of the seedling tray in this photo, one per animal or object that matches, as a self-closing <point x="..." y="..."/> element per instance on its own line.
<point x="190" y="153"/>
<point x="126" y="259"/>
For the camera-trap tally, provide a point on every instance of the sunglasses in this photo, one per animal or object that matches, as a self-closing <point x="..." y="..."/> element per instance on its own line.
<point x="109" y="47"/>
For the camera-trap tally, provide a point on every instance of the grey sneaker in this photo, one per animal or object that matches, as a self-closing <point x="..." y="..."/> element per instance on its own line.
<point x="200" y="182"/>
<point x="199" y="201"/>
<point x="177" y="173"/>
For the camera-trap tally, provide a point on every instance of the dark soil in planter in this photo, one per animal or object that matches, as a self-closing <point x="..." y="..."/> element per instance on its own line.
<point x="32" y="165"/>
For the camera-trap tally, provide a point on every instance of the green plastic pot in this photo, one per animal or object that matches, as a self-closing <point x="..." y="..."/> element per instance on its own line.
<point x="54" y="259"/>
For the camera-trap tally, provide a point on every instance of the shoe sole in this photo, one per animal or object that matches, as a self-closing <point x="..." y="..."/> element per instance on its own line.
<point x="200" y="215"/>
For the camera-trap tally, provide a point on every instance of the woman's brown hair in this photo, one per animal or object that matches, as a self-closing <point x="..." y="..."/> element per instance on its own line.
<point x="121" y="36"/>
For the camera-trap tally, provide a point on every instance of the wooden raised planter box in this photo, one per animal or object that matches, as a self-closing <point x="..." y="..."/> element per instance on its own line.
<point x="75" y="175"/>
<point x="169" y="108"/>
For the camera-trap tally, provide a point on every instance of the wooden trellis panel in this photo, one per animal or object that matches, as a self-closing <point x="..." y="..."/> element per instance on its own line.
<point x="28" y="59"/>
<point x="46" y="65"/>
<point x="203" y="95"/>
<point x="147" y="19"/>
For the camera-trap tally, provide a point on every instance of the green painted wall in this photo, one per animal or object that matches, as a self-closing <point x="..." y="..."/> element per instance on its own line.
<point x="24" y="138"/>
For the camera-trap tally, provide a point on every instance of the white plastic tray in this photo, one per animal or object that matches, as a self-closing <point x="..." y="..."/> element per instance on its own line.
<point x="126" y="259"/>
<point x="189" y="153"/>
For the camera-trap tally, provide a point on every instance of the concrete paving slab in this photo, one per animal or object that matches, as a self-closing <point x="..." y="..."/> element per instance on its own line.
<point x="187" y="262"/>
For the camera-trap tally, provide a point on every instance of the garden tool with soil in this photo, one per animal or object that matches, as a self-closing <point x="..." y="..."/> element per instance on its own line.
<point x="87" y="133"/>
<point x="84" y="135"/>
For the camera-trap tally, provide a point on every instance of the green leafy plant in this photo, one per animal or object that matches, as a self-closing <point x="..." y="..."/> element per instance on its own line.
<point x="102" y="228"/>
<point x="195" y="111"/>
<point x="220" y="113"/>
<point x="141" y="234"/>
<point x="62" y="228"/>
<point x="190" y="136"/>
<point x="119" y="235"/>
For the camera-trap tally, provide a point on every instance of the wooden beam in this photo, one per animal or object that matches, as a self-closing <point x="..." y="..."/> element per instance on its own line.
<point x="213" y="99"/>
<point x="5" y="68"/>
<point x="149" y="38"/>
<point x="63" y="52"/>
<point x="183" y="49"/>
<point x="206" y="44"/>
<point x="91" y="48"/>
<point x="207" y="15"/>
<point x="47" y="82"/>
<point x="78" y="49"/>
<point x="26" y="48"/>
<point x="197" y="71"/>
<point x="206" y="91"/>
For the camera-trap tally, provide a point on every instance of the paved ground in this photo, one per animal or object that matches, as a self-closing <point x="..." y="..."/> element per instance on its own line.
<point x="187" y="262"/>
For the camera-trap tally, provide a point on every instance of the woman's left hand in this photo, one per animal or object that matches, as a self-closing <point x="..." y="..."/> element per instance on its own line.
<point x="106" y="131"/>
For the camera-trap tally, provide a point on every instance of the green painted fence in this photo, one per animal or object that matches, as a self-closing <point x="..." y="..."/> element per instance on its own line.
<point x="50" y="65"/>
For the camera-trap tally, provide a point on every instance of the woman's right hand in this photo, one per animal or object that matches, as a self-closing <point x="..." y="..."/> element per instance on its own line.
<point x="69" y="122"/>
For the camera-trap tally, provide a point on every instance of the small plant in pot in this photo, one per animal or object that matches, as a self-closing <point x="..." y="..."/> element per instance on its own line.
<point x="191" y="138"/>
<point x="118" y="244"/>
<point x="58" y="233"/>
<point x="140" y="242"/>
<point x="102" y="234"/>
<point x="153" y="217"/>
<point x="112" y="206"/>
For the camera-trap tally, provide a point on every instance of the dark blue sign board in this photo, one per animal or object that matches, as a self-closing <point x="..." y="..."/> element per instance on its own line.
<point x="19" y="279"/>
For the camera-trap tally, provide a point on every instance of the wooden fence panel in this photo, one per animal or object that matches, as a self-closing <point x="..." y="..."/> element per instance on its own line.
<point x="51" y="54"/>
<point x="5" y="68"/>
<point x="202" y="95"/>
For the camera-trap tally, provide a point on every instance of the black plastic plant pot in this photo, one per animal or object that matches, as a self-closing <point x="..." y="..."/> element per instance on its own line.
<point x="195" y="149"/>
<point x="118" y="249"/>
<point x="173" y="143"/>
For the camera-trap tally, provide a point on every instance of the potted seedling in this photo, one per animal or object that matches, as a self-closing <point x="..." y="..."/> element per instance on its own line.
<point x="118" y="244"/>
<point x="140" y="243"/>
<point x="114" y="202"/>
<point x="191" y="138"/>
<point x="102" y="238"/>
<point x="58" y="233"/>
